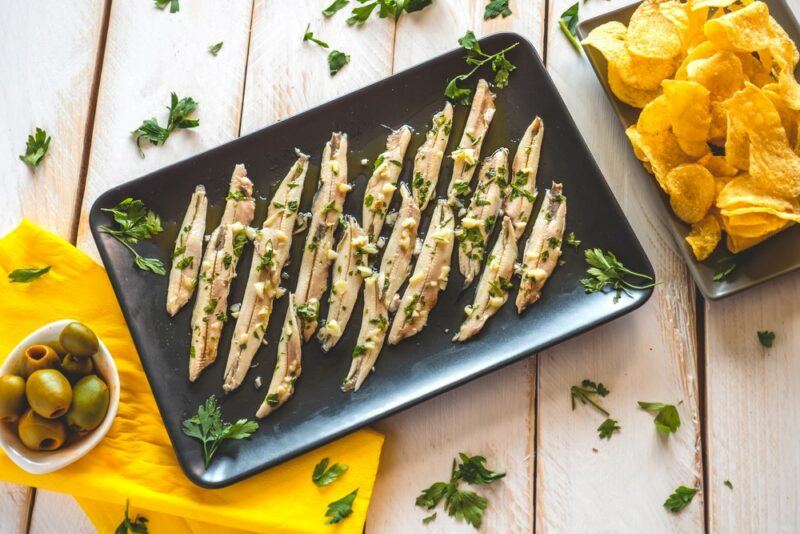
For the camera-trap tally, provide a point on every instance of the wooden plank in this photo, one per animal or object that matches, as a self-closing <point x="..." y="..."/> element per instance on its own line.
<point x="58" y="512"/>
<point x="492" y="416"/>
<point x="150" y="53"/>
<point x="50" y="63"/>
<point x="619" y="485"/>
<point x="752" y="410"/>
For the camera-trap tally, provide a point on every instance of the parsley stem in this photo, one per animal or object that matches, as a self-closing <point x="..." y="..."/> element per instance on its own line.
<point x="569" y="35"/>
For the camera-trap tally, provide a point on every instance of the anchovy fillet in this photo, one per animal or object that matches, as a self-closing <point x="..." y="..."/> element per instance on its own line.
<point x="371" y="336"/>
<point x="430" y="276"/>
<point x="428" y="161"/>
<point x="349" y="268"/>
<point x="217" y="272"/>
<point x="522" y="184"/>
<point x="383" y="182"/>
<point x="188" y="252"/>
<point x="328" y="204"/>
<point x="543" y="248"/>
<point x="484" y="207"/>
<point x="288" y="366"/>
<point x="396" y="261"/>
<point x="272" y="245"/>
<point x="494" y="285"/>
<point x="467" y="155"/>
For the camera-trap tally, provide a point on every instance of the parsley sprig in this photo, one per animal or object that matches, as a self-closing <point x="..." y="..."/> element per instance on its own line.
<point x="208" y="427"/>
<point x="137" y="525"/>
<point x="386" y="9"/>
<point x="340" y="510"/>
<point x="179" y="111"/>
<point x="586" y="391"/>
<point x="324" y="475"/>
<point x="135" y="222"/>
<point x="667" y="418"/>
<point x="679" y="499"/>
<point x="36" y="148"/>
<point x="568" y="22"/>
<point x="495" y="8"/>
<point x="606" y="270"/>
<point x="26" y="276"/>
<point x="477" y="58"/>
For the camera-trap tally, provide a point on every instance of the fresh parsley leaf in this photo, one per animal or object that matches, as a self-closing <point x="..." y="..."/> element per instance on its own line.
<point x="605" y="270"/>
<point x="466" y="505"/>
<point x="766" y="338"/>
<point x="337" y="60"/>
<point x="174" y="5"/>
<point x="729" y="484"/>
<point x="725" y="267"/>
<point x="208" y="427"/>
<point x="386" y="9"/>
<point x="679" y="499"/>
<point x="586" y="391"/>
<point x="495" y="8"/>
<point x="432" y="495"/>
<point x="215" y="48"/>
<point x="179" y="111"/>
<point x="667" y="418"/>
<point x="26" y="276"/>
<point x="428" y="519"/>
<point x="416" y="5"/>
<point x="334" y="7"/>
<point x="568" y="22"/>
<point x="135" y="222"/>
<point x="309" y="36"/>
<point x="340" y="510"/>
<point x="572" y="240"/>
<point x="477" y="58"/>
<point x="324" y="475"/>
<point x="456" y="93"/>
<point x="473" y="471"/>
<point x="361" y="13"/>
<point x="36" y="148"/>
<point x="608" y="427"/>
<point x="137" y="526"/>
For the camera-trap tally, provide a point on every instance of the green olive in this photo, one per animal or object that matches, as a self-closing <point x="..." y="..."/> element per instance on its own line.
<point x="12" y="397"/>
<point x="48" y="393"/>
<point x="89" y="404"/>
<point x="39" y="357"/>
<point x="78" y="340"/>
<point x="56" y="346"/>
<point x="41" y="434"/>
<point x="76" y="367"/>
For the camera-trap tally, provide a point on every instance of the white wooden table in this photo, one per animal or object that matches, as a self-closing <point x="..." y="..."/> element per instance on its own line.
<point x="90" y="71"/>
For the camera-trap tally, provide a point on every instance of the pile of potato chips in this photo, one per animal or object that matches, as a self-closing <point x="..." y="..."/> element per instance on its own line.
<point x="720" y="113"/>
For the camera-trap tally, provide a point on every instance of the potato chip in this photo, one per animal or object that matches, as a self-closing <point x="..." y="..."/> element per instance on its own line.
<point x="704" y="50"/>
<point x="661" y="150"/>
<point x="786" y="56"/>
<point x="737" y="143"/>
<point x="744" y="192"/>
<point x="691" y="189"/>
<point x="637" y="98"/>
<point x="718" y="131"/>
<point x="655" y="117"/>
<point x="755" y="72"/>
<point x="737" y="244"/>
<point x="745" y="30"/>
<point x="688" y="23"/>
<point x="721" y="74"/>
<point x="608" y="39"/>
<point x="690" y="107"/>
<point x="718" y="166"/>
<point x="704" y="237"/>
<point x="789" y="117"/>
<point x="651" y="34"/>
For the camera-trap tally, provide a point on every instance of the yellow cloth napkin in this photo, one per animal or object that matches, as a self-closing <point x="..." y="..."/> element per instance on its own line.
<point x="136" y="461"/>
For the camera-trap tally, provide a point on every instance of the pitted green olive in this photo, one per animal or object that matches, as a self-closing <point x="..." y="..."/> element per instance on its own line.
<point x="39" y="357"/>
<point x="76" y="367"/>
<point x="39" y="433"/>
<point x="12" y="397"/>
<point x="56" y="346"/>
<point x="89" y="404"/>
<point x="48" y="393"/>
<point x="78" y="340"/>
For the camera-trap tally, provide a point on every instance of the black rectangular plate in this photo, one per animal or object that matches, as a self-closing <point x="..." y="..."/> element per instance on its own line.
<point x="776" y="256"/>
<point x="416" y="369"/>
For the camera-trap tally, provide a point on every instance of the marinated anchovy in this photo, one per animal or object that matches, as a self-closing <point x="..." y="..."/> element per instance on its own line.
<point x="467" y="155"/>
<point x="494" y="285"/>
<point x="272" y="244"/>
<point x="396" y="262"/>
<point x="188" y="252"/>
<point x="522" y="184"/>
<point x="478" y="223"/>
<point x="430" y="276"/>
<point x="383" y="182"/>
<point x="328" y="204"/>
<point x="543" y="248"/>
<point x="217" y="272"/>
<point x="371" y="336"/>
<point x="288" y="367"/>
<point x="349" y="268"/>
<point x="428" y="161"/>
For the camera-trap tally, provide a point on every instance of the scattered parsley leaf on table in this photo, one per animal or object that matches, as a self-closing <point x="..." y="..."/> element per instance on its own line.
<point x="728" y="483"/>
<point x="607" y="428"/>
<point x="334" y="7"/>
<point x="324" y="475"/>
<point x="26" y="276"/>
<point x="473" y="471"/>
<point x="606" y="270"/>
<point x="308" y="35"/>
<point x="667" y="418"/>
<point x="679" y="499"/>
<point x="428" y="519"/>
<point x="174" y="5"/>
<point x="36" y="148"/>
<point x="215" y="48"/>
<point x="208" y="427"/>
<point x="569" y="24"/>
<point x="766" y="338"/>
<point x="179" y="111"/>
<point x="495" y="8"/>
<point x="586" y="391"/>
<point x="137" y="526"/>
<point x="477" y="58"/>
<point x="340" y="510"/>
<point x="337" y="60"/>
<point x="386" y="9"/>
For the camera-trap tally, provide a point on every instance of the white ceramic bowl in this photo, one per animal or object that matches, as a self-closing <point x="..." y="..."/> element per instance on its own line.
<point x="40" y="462"/>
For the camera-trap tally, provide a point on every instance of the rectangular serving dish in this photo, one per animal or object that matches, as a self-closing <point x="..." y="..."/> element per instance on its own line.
<point x="417" y="368"/>
<point x="777" y="255"/>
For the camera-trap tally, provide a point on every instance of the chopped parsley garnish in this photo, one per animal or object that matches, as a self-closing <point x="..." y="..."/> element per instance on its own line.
<point x="26" y="276"/>
<point x="227" y="259"/>
<point x="186" y="261"/>
<point x="605" y="270"/>
<point x="36" y="148"/>
<point x="586" y="391"/>
<point x="477" y="58"/>
<point x="239" y="241"/>
<point x="307" y="312"/>
<point x="572" y="240"/>
<point x="208" y="427"/>
<point x="179" y="111"/>
<point x="359" y="350"/>
<point x="324" y="475"/>
<point x="766" y="338"/>
<point x="495" y="8"/>
<point x="667" y="419"/>
<point x="267" y="260"/>
<point x="340" y="510"/>
<point x="272" y="399"/>
<point x="679" y="499"/>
